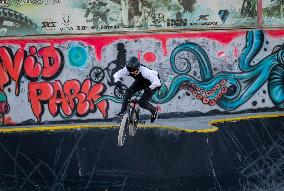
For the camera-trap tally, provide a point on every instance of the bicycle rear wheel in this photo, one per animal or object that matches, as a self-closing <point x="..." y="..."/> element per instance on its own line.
<point x="123" y="128"/>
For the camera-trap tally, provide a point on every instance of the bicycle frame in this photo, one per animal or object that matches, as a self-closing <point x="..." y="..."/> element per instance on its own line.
<point x="129" y="121"/>
<point x="134" y="107"/>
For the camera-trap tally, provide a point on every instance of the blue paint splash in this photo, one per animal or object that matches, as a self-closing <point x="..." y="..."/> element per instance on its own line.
<point x="77" y="56"/>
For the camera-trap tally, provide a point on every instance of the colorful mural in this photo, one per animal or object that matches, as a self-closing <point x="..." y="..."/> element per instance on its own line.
<point x="21" y="17"/>
<point x="4" y="106"/>
<point x="68" y="79"/>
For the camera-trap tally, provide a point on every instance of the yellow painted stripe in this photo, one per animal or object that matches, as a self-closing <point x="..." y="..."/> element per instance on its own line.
<point x="235" y="119"/>
<point x="210" y="129"/>
<point x="51" y="128"/>
<point x="68" y="127"/>
<point x="204" y="130"/>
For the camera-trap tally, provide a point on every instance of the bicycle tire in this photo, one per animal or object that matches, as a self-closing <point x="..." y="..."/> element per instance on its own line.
<point x="122" y="134"/>
<point x="133" y="124"/>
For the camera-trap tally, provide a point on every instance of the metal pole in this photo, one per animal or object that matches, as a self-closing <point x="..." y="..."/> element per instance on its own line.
<point x="259" y="13"/>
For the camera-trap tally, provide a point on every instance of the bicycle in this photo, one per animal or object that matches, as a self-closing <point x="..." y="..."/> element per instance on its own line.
<point x="129" y="122"/>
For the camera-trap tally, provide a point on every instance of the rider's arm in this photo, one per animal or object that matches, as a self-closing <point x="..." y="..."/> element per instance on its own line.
<point x="120" y="74"/>
<point x="152" y="76"/>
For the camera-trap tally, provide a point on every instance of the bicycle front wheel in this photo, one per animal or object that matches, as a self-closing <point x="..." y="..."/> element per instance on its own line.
<point x="123" y="128"/>
<point x="133" y="124"/>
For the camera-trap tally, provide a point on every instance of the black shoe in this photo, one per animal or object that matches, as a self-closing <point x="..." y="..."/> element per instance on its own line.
<point x="120" y="114"/>
<point x="154" y="116"/>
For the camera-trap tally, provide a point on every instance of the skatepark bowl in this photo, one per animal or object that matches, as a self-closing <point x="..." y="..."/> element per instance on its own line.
<point x="232" y="154"/>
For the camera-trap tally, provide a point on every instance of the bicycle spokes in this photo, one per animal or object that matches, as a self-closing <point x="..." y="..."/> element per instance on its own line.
<point x="123" y="130"/>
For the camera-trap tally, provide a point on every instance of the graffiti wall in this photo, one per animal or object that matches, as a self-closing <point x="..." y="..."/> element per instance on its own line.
<point x="28" y="17"/>
<point x="68" y="79"/>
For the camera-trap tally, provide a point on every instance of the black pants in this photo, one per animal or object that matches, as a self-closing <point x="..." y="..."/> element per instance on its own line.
<point x="143" y="101"/>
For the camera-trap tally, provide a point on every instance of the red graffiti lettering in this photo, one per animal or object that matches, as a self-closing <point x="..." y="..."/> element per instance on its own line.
<point x="4" y="77"/>
<point x="72" y="90"/>
<point x="39" y="93"/>
<point x="12" y="66"/>
<point x="31" y="66"/>
<point x="52" y="62"/>
<point x="71" y="98"/>
<point x="18" y="64"/>
<point x="93" y="96"/>
<point x="58" y="99"/>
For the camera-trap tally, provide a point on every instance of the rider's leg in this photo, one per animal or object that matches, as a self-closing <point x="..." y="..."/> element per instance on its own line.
<point x="135" y="87"/>
<point x="144" y="100"/>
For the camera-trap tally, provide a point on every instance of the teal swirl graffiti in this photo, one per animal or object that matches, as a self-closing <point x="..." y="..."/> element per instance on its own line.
<point x="241" y="85"/>
<point x="276" y="82"/>
<point x="108" y="97"/>
<point x="201" y="56"/>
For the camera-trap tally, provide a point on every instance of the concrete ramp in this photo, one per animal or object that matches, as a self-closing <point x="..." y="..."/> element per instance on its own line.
<point x="240" y="155"/>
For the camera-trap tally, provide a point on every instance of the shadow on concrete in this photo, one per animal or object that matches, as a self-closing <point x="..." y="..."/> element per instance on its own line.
<point x="243" y="155"/>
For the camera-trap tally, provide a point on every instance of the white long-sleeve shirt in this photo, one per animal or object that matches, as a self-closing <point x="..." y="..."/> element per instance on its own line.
<point x="146" y="76"/>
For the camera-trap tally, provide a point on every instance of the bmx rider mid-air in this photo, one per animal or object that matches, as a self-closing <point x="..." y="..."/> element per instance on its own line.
<point x="145" y="79"/>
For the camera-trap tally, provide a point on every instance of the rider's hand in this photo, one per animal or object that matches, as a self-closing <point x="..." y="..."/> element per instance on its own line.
<point x="149" y="90"/>
<point x="119" y="84"/>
